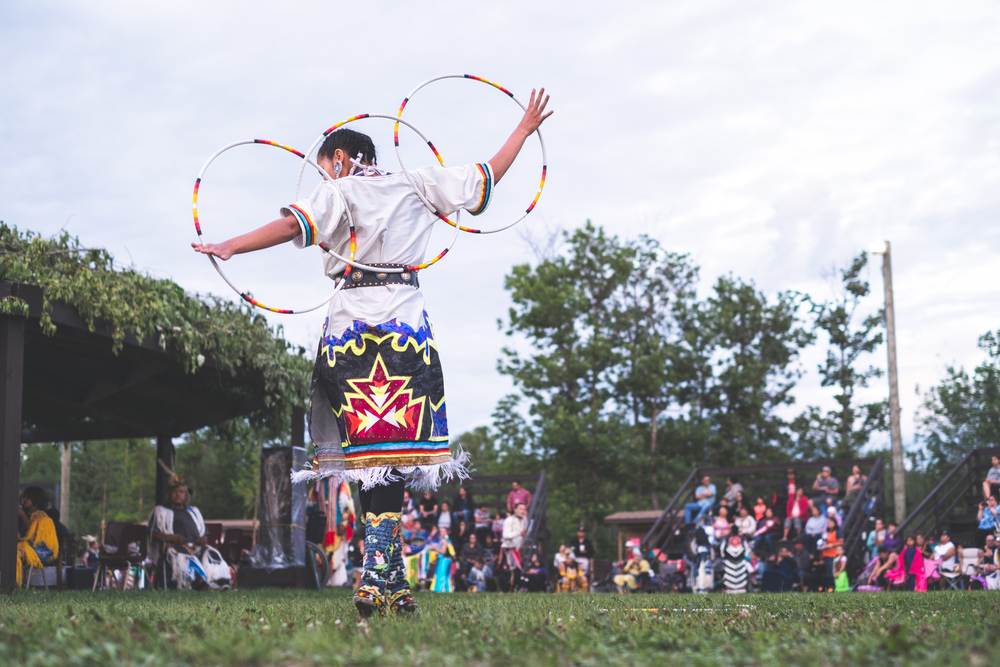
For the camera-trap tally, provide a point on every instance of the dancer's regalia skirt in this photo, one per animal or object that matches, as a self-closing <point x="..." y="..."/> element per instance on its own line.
<point x="377" y="410"/>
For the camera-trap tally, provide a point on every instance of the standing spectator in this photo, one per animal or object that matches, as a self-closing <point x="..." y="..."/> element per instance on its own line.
<point x="989" y="519"/>
<point x="797" y="510"/>
<point x="841" y="584"/>
<point x="827" y="485"/>
<point x="583" y="550"/>
<point x="910" y="567"/>
<point x="760" y="508"/>
<point x="875" y="539"/>
<point x="463" y="504"/>
<point x="518" y="495"/>
<point x="790" y="486"/>
<point x="428" y="511"/>
<point x="807" y="567"/>
<point x="490" y="556"/>
<point x="484" y="523"/>
<point x="704" y="499"/>
<point x="814" y="530"/>
<point x="991" y="485"/>
<point x="854" y="485"/>
<point x="461" y="536"/>
<point x="91" y="553"/>
<point x="498" y="525"/>
<point x="831" y="541"/>
<point x="442" y="582"/>
<point x="721" y="526"/>
<point x="746" y="524"/>
<point x="767" y="528"/>
<point x="515" y="527"/>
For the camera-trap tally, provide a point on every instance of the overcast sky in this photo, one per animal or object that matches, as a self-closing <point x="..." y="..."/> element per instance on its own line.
<point x="772" y="140"/>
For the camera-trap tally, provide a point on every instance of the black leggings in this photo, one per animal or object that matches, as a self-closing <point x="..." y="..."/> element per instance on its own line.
<point x="382" y="499"/>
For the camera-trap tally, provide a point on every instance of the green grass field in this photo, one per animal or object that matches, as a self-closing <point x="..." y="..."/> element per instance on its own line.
<point x="309" y="628"/>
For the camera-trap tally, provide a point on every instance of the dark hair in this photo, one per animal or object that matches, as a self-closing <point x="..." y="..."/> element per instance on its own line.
<point x="37" y="496"/>
<point x="734" y="479"/>
<point x="350" y="142"/>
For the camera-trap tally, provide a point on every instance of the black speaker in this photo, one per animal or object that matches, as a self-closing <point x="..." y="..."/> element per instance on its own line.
<point x="282" y="509"/>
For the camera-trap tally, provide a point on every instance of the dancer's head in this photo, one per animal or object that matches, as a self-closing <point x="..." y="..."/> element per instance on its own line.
<point x="340" y="147"/>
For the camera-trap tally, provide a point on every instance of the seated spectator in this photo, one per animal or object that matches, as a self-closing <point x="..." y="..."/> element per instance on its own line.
<point x="767" y="529"/>
<point x="991" y="485"/>
<point x="635" y="568"/>
<point x="483" y="521"/>
<point x="831" y="511"/>
<point x="444" y="517"/>
<point x="781" y="573"/>
<point x="815" y="529"/>
<point x="721" y="525"/>
<point x="891" y="541"/>
<point x="91" y="552"/>
<point x="460" y="536"/>
<point x="810" y="567"/>
<point x="472" y="550"/>
<point x="886" y="563"/>
<point x="535" y="578"/>
<point x="462" y="504"/>
<point x="583" y="550"/>
<point x="909" y="572"/>
<point x="922" y="545"/>
<point x="759" y="508"/>
<point x="490" y="557"/>
<point x="39" y="546"/>
<point x="498" y="522"/>
<point x="428" y="507"/>
<point x="841" y="584"/>
<point x="571" y="578"/>
<point x="745" y="524"/>
<point x="733" y="490"/>
<point x="517" y="496"/>
<point x="475" y="580"/>
<point x="875" y="539"/>
<point x="827" y="486"/>
<point x="796" y="512"/>
<point x="178" y="544"/>
<point x="946" y="552"/>
<point x="704" y="499"/>
<point x="409" y="507"/>
<point x="988" y="518"/>
<point x="414" y="537"/>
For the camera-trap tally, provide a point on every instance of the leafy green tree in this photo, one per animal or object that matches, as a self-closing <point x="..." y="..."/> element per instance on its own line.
<point x="844" y="431"/>
<point x="963" y="412"/>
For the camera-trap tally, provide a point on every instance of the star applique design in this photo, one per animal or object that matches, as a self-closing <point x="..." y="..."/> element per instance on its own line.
<point x="382" y="409"/>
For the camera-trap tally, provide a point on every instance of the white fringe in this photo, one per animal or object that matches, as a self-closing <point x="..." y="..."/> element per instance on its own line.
<point x="419" y="478"/>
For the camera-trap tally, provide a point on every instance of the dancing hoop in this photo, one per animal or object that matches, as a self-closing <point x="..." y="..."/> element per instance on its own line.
<point x="541" y="142"/>
<point x="201" y="239"/>
<point x="420" y="195"/>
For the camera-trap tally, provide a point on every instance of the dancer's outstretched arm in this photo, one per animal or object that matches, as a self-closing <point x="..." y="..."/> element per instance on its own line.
<point x="273" y="233"/>
<point x="533" y="117"/>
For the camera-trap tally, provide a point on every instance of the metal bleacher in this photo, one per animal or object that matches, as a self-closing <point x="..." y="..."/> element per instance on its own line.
<point x="954" y="502"/>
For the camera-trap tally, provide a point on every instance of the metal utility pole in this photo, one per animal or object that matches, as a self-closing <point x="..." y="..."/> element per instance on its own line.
<point x="898" y="481"/>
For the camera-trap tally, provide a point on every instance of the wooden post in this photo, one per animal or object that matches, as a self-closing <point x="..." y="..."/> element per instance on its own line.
<point x="12" y="329"/>
<point x="11" y="384"/>
<point x="166" y="455"/>
<point x="67" y="457"/>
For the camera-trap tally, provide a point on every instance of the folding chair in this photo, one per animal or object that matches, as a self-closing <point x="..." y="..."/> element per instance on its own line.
<point x="117" y="553"/>
<point x="952" y="577"/>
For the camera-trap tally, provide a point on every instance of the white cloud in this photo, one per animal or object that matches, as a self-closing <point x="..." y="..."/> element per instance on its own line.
<point x="772" y="140"/>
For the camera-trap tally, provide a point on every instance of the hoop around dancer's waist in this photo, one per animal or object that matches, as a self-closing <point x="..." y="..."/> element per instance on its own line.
<point x="364" y="278"/>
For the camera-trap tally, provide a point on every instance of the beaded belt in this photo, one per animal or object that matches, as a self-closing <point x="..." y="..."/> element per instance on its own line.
<point x="361" y="278"/>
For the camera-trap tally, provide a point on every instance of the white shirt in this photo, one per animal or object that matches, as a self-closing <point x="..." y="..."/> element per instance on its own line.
<point x="948" y="563"/>
<point x="513" y="526"/>
<point x="392" y="226"/>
